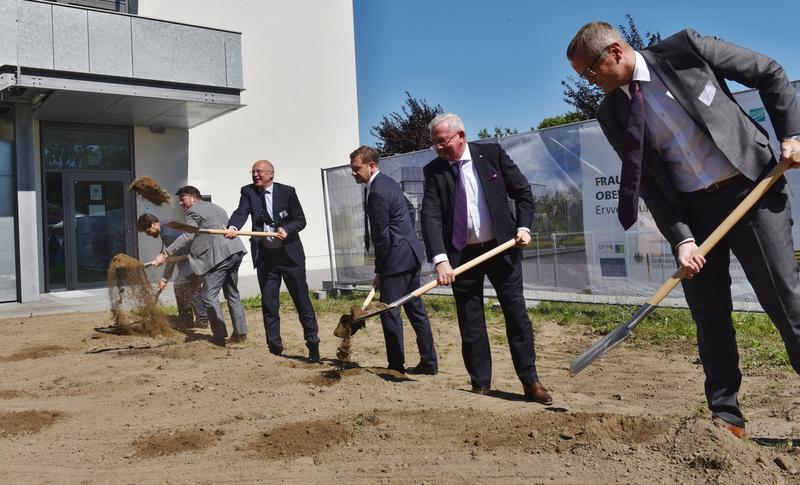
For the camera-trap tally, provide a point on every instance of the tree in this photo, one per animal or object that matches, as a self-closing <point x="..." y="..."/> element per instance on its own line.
<point x="483" y="133"/>
<point x="407" y="131"/>
<point x="586" y="97"/>
<point x="565" y="119"/>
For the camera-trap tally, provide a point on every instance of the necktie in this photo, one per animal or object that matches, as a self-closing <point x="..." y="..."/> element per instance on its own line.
<point x="459" y="208"/>
<point x="366" y="221"/>
<point x="268" y="205"/>
<point x="632" y="150"/>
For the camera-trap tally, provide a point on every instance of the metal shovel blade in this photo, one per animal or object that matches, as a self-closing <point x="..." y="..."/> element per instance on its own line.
<point x="609" y="341"/>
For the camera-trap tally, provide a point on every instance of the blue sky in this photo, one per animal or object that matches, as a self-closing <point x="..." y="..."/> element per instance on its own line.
<point x="501" y="62"/>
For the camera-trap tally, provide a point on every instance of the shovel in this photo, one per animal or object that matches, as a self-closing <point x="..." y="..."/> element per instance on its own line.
<point x="624" y="330"/>
<point x="196" y="230"/>
<point x="433" y="284"/>
<point x="173" y="259"/>
<point x="368" y="299"/>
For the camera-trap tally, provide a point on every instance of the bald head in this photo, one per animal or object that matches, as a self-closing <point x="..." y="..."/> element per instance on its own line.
<point x="262" y="174"/>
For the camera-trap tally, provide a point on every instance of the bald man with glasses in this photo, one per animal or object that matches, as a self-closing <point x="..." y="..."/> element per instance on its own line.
<point x="274" y="207"/>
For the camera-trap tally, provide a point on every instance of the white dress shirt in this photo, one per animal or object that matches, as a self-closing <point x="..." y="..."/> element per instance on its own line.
<point x="691" y="159"/>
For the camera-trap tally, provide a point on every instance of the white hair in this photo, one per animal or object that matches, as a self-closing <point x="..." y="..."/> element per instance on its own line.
<point x="452" y="120"/>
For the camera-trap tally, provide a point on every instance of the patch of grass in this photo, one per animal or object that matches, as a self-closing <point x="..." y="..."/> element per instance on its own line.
<point x="760" y="345"/>
<point x="362" y="419"/>
<point x="498" y="339"/>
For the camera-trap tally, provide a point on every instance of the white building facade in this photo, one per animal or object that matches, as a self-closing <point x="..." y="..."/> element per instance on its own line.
<point x="95" y="93"/>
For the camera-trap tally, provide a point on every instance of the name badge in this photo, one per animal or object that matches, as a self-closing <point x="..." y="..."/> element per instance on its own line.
<point x="708" y="94"/>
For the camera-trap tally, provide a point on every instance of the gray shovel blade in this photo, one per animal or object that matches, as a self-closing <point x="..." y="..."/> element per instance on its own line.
<point x="609" y="341"/>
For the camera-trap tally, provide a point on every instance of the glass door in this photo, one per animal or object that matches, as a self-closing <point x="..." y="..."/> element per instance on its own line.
<point x="98" y="223"/>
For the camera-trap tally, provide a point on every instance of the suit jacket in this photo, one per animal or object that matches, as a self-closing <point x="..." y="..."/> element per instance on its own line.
<point x="206" y="250"/>
<point x="391" y="225"/>
<point x="286" y="213"/>
<point x="499" y="178"/>
<point x="687" y="62"/>
<point x="168" y="236"/>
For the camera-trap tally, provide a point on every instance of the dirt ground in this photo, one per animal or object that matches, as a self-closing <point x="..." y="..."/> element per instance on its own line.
<point x="80" y="406"/>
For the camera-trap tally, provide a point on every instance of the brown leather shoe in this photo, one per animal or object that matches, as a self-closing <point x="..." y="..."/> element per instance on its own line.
<point x="537" y="393"/>
<point x="483" y="391"/>
<point x="737" y="431"/>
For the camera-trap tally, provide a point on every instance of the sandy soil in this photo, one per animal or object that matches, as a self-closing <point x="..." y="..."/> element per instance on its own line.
<point x="80" y="406"/>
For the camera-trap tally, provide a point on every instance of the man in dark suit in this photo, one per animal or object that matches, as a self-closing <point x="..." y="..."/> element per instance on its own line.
<point x="695" y="158"/>
<point x="398" y="260"/>
<point x="275" y="207"/>
<point x="188" y="286"/>
<point x="465" y="213"/>
<point x="214" y="257"/>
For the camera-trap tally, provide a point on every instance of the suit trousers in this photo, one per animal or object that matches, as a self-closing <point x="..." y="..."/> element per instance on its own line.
<point x="224" y="276"/>
<point x="394" y="287"/>
<point x="189" y="298"/>
<point x="506" y="278"/>
<point x="276" y="265"/>
<point x="762" y="242"/>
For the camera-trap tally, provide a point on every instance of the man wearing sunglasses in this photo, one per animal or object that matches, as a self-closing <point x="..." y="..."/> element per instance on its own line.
<point x="693" y="154"/>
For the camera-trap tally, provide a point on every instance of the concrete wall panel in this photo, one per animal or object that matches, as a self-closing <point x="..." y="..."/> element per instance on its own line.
<point x="70" y="39"/>
<point x="110" y="44"/>
<point x="35" y="35"/>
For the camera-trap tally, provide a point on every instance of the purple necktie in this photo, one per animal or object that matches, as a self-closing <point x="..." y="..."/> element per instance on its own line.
<point x="632" y="150"/>
<point x="459" y="209"/>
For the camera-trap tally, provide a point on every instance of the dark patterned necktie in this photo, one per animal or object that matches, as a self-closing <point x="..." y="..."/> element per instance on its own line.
<point x="366" y="221"/>
<point x="459" y="208"/>
<point x="632" y="150"/>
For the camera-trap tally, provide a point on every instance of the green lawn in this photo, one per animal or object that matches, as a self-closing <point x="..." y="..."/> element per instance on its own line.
<point x="760" y="345"/>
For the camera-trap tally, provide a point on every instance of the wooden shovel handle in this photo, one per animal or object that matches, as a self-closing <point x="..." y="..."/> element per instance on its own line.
<point x="369" y="298"/>
<point x="745" y="205"/>
<point x="239" y="233"/>
<point x="468" y="265"/>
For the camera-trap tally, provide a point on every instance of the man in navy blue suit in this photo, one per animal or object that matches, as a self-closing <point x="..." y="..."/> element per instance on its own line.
<point x="398" y="260"/>
<point x="275" y="207"/>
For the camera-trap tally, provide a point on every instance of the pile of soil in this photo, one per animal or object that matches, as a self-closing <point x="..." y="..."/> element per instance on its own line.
<point x="346" y="327"/>
<point x="24" y="422"/>
<point x="172" y="442"/>
<point x="149" y="190"/>
<point x="128" y="286"/>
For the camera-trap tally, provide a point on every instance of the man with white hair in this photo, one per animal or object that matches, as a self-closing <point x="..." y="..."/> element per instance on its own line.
<point x="464" y="214"/>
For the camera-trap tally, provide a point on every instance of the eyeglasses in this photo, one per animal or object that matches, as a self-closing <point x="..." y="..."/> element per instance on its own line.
<point x="259" y="172"/>
<point x="589" y="71"/>
<point x="445" y="143"/>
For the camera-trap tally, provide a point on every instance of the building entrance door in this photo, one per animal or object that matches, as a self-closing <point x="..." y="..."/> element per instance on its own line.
<point x="98" y="223"/>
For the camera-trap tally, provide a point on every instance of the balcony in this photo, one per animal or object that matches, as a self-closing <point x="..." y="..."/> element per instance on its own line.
<point x="97" y="66"/>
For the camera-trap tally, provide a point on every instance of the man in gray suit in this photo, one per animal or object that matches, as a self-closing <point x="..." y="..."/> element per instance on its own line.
<point x="214" y="257"/>
<point x="693" y="154"/>
<point x="188" y="286"/>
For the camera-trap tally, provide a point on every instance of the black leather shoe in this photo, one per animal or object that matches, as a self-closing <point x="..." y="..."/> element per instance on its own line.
<point x="218" y="341"/>
<point x="424" y="368"/>
<point x="275" y="350"/>
<point x="313" y="353"/>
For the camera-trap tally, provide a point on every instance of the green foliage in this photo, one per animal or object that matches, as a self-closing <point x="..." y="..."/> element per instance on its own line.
<point x="406" y="131"/>
<point x="483" y="133"/>
<point x="565" y="119"/>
